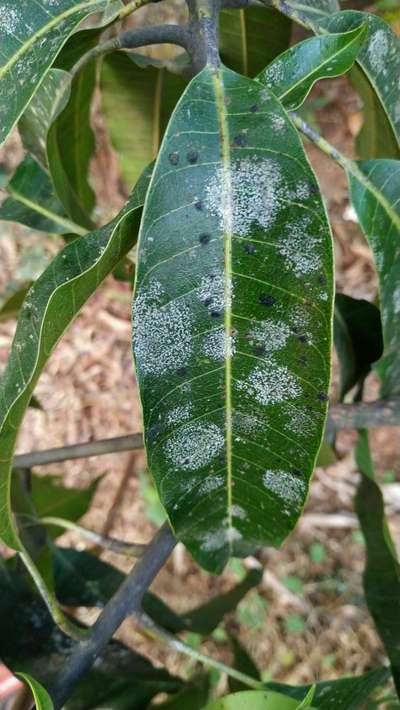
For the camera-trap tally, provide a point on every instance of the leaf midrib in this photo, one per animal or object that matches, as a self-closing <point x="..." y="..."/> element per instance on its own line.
<point x="69" y="226"/>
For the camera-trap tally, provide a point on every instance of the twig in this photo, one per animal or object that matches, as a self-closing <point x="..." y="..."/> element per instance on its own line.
<point x="159" y="634"/>
<point x="125" y="602"/>
<point x="132" y="39"/>
<point x="130" y="549"/>
<point x="367" y="415"/>
<point x="320" y="142"/>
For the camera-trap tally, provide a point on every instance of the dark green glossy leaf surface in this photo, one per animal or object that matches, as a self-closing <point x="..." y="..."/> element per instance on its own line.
<point x="232" y="319"/>
<point x="358" y="339"/>
<point x="51" y="305"/>
<point x="251" y="38"/>
<point x="376" y="138"/>
<point x="382" y="569"/>
<point x="135" y="93"/>
<point x="342" y="694"/>
<point x="32" y="201"/>
<point x="31" y="643"/>
<point x="242" y="662"/>
<point x="374" y="191"/>
<point x="31" y="35"/>
<point x="291" y="75"/>
<point x="12" y="300"/>
<point x="193" y="697"/>
<point x="379" y="60"/>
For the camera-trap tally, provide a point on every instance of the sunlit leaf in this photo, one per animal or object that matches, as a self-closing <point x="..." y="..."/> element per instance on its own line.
<point x="382" y="569"/>
<point x="254" y="700"/>
<point x="51" y="305"/>
<point x="31" y="36"/>
<point x="141" y="93"/>
<point x="40" y="695"/>
<point x="251" y="38"/>
<point x="291" y="75"/>
<point x="232" y="319"/>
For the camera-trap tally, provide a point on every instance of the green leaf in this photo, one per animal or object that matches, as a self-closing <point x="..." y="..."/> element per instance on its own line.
<point x="70" y="147"/>
<point x="32" y="201"/>
<point x="358" y="339"/>
<point x="233" y="210"/>
<point x="135" y="93"/>
<point x="312" y="10"/>
<point x="379" y="61"/>
<point x="254" y="700"/>
<point x="11" y="301"/>
<point x="193" y="696"/>
<point x="31" y="36"/>
<point x="374" y="192"/>
<point x="242" y="662"/>
<point x="40" y="695"/>
<point x="31" y="643"/>
<point x="292" y="75"/>
<point x="251" y="38"/>
<point x="51" y="305"/>
<point x="382" y="569"/>
<point x="204" y="619"/>
<point x="342" y="694"/>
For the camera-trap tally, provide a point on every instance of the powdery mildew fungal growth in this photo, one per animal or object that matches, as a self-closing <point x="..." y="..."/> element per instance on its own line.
<point x="301" y="251"/>
<point x="257" y="193"/>
<point x="285" y="485"/>
<point x="270" y="383"/>
<point x="271" y="335"/>
<point x="378" y="47"/>
<point x="194" y="446"/>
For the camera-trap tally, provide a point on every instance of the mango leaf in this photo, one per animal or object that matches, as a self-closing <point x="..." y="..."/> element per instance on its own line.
<point x="379" y="60"/>
<point x="32" y="201"/>
<point x="254" y="700"/>
<point x="251" y="38"/>
<point x="374" y="192"/>
<point x="51" y="305"/>
<point x="242" y="662"/>
<point x="30" y="39"/>
<point x="358" y="339"/>
<point x="232" y="319"/>
<point x="49" y="100"/>
<point x="205" y="618"/>
<point x="40" y="695"/>
<point x="309" y="10"/>
<point x="342" y="694"/>
<point x="70" y="147"/>
<point x="31" y="643"/>
<point x="292" y="75"/>
<point x="382" y="569"/>
<point x="11" y="301"/>
<point x="136" y="93"/>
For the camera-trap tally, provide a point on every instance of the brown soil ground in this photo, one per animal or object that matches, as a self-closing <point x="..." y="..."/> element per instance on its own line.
<point x="319" y="626"/>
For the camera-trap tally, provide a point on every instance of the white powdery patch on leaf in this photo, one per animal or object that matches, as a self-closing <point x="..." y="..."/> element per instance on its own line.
<point x="247" y="423"/>
<point x="378" y="47"/>
<point x="396" y="299"/>
<point x="257" y="193"/>
<point x="300" y="422"/>
<point x="219" y="538"/>
<point x="299" y="248"/>
<point x="299" y="317"/>
<point x="238" y="512"/>
<point x="285" y="485"/>
<point x="194" y="446"/>
<point x="214" y="291"/>
<point x="211" y="483"/>
<point x="9" y="19"/>
<point x="162" y="339"/>
<point x="270" y="334"/>
<point x="270" y="383"/>
<point x="216" y="346"/>
<point x="179" y="414"/>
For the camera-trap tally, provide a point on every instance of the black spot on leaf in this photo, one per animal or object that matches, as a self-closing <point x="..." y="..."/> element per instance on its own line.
<point x="207" y="301"/>
<point x="240" y="140"/>
<point x="302" y="338"/>
<point x="173" y="158"/>
<point x="198" y="205"/>
<point x="254" y="108"/>
<point x="322" y="397"/>
<point x="266" y="299"/>
<point x="259" y="350"/>
<point x="250" y="248"/>
<point x="204" y="238"/>
<point x="181" y="371"/>
<point x="216" y="314"/>
<point x="192" y="157"/>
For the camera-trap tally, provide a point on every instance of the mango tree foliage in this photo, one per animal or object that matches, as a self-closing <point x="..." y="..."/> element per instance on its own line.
<point x="251" y="38"/>
<point x="292" y="75"/>
<point x="374" y="191"/>
<point x="139" y="92"/>
<point x="232" y="319"/>
<point x="51" y="305"/>
<point x="382" y="568"/>
<point x="31" y="36"/>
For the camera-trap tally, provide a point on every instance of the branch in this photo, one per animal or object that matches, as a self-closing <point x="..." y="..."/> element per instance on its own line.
<point x="132" y="39"/>
<point x="366" y="415"/>
<point x="125" y="602"/>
